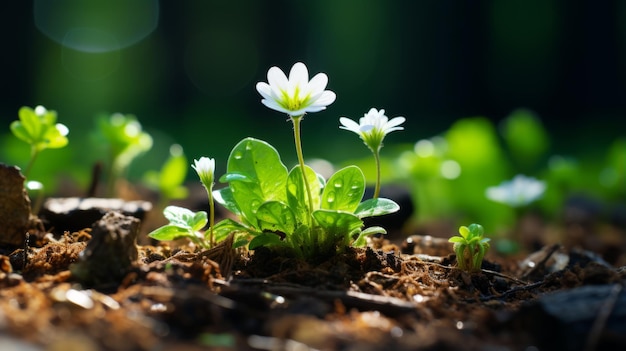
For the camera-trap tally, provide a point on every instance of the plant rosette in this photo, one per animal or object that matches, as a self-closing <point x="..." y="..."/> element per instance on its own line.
<point x="470" y="247"/>
<point x="271" y="203"/>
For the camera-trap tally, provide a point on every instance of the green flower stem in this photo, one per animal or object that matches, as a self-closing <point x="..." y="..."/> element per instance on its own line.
<point x="211" y="217"/>
<point x="377" y="189"/>
<point x="296" y="133"/>
<point x="33" y="156"/>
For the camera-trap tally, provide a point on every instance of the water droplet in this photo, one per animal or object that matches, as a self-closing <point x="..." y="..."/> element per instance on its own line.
<point x="338" y="183"/>
<point x="237" y="155"/>
<point x="248" y="146"/>
<point x="254" y="205"/>
<point x="330" y="197"/>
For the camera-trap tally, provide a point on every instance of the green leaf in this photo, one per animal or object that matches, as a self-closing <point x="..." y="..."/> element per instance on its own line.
<point x="53" y="137"/>
<point x="360" y="240"/>
<point x="225" y="198"/>
<point x="276" y="216"/>
<point x="39" y="130"/>
<point x="265" y="176"/>
<point x="457" y="239"/>
<point x="296" y="192"/>
<point x="376" y="207"/>
<point x="31" y="122"/>
<point x="170" y="232"/>
<point x="18" y="129"/>
<point x="337" y="225"/>
<point x="185" y="218"/>
<point x="344" y="190"/>
<point x="172" y="176"/>
<point x="265" y="239"/>
<point x="226" y="226"/>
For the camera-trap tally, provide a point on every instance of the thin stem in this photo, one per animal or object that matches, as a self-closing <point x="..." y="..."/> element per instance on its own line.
<point x="33" y="155"/>
<point x="296" y="134"/>
<point x="211" y="217"/>
<point x="377" y="189"/>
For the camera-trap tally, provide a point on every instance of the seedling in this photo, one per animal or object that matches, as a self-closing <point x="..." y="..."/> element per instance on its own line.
<point x="183" y="223"/>
<point x="126" y="141"/>
<point x="38" y="128"/>
<point x="470" y="247"/>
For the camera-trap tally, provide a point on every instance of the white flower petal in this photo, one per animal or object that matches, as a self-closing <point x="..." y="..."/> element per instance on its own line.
<point x="327" y="98"/>
<point x="318" y="83"/>
<point x="271" y="103"/>
<point x="299" y="75"/>
<point x="350" y="125"/>
<point x="264" y="89"/>
<point x="277" y="79"/>
<point x="396" y="121"/>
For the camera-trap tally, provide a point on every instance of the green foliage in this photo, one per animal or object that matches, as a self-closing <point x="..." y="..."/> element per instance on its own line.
<point x="525" y="138"/>
<point x="183" y="223"/>
<point x="38" y="128"/>
<point x="272" y="204"/>
<point x="169" y="180"/>
<point x="125" y="140"/>
<point x="470" y="247"/>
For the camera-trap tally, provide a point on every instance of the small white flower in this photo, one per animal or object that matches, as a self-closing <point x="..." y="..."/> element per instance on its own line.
<point x="520" y="191"/>
<point x="295" y="95"/>
<point x="373" y="127"/>
<point x="205" y="167"/>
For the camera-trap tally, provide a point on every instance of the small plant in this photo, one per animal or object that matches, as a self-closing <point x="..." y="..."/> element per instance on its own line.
<point x="126" y="141"/>
<point x="296" y="211"/>
<point x="470" y="247"/>
<point x="38" y="128"/>
<point x="183" y="223"/>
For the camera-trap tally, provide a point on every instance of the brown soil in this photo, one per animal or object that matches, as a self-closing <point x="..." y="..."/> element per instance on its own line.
<point x="384" y="297"/>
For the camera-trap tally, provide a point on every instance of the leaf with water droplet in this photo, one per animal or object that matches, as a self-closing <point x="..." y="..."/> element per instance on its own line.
<point x="337" y="196"/>
<point x="255" y="173"/>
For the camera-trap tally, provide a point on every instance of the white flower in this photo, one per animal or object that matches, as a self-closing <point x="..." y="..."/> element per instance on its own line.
<point x="373" y="127"/>
<point x="297" y="95"/>
<point x="520" y="191"/>
<point x="205" y="167"/>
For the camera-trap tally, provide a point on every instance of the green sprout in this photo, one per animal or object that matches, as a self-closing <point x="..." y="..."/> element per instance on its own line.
<point x="168" y="181"/>
<point x="372" y="128"/>
<point x="38" y="128"/>
<point x="126" y="141"/>
<point x="183" y="223"/>
<point x="470" y="247"/>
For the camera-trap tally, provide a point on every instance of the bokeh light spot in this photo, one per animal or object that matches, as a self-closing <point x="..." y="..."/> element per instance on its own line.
<point x="96" y="26"/>
<point x="450" y="169"/>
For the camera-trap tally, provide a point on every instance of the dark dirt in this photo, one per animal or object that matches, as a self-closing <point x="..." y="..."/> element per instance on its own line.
<point x="95" y="289"/>
<point x="380" y="297"/>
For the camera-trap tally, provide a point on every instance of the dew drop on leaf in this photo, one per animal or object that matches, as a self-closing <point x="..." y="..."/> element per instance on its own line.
<point x="331" y="196"/>
<point x="237" y="155"/>
<point x="338" y="183"/>
<point x="254" y="205"/>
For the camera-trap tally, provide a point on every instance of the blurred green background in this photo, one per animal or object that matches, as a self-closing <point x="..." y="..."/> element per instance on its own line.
<point x="188" y="71"/>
